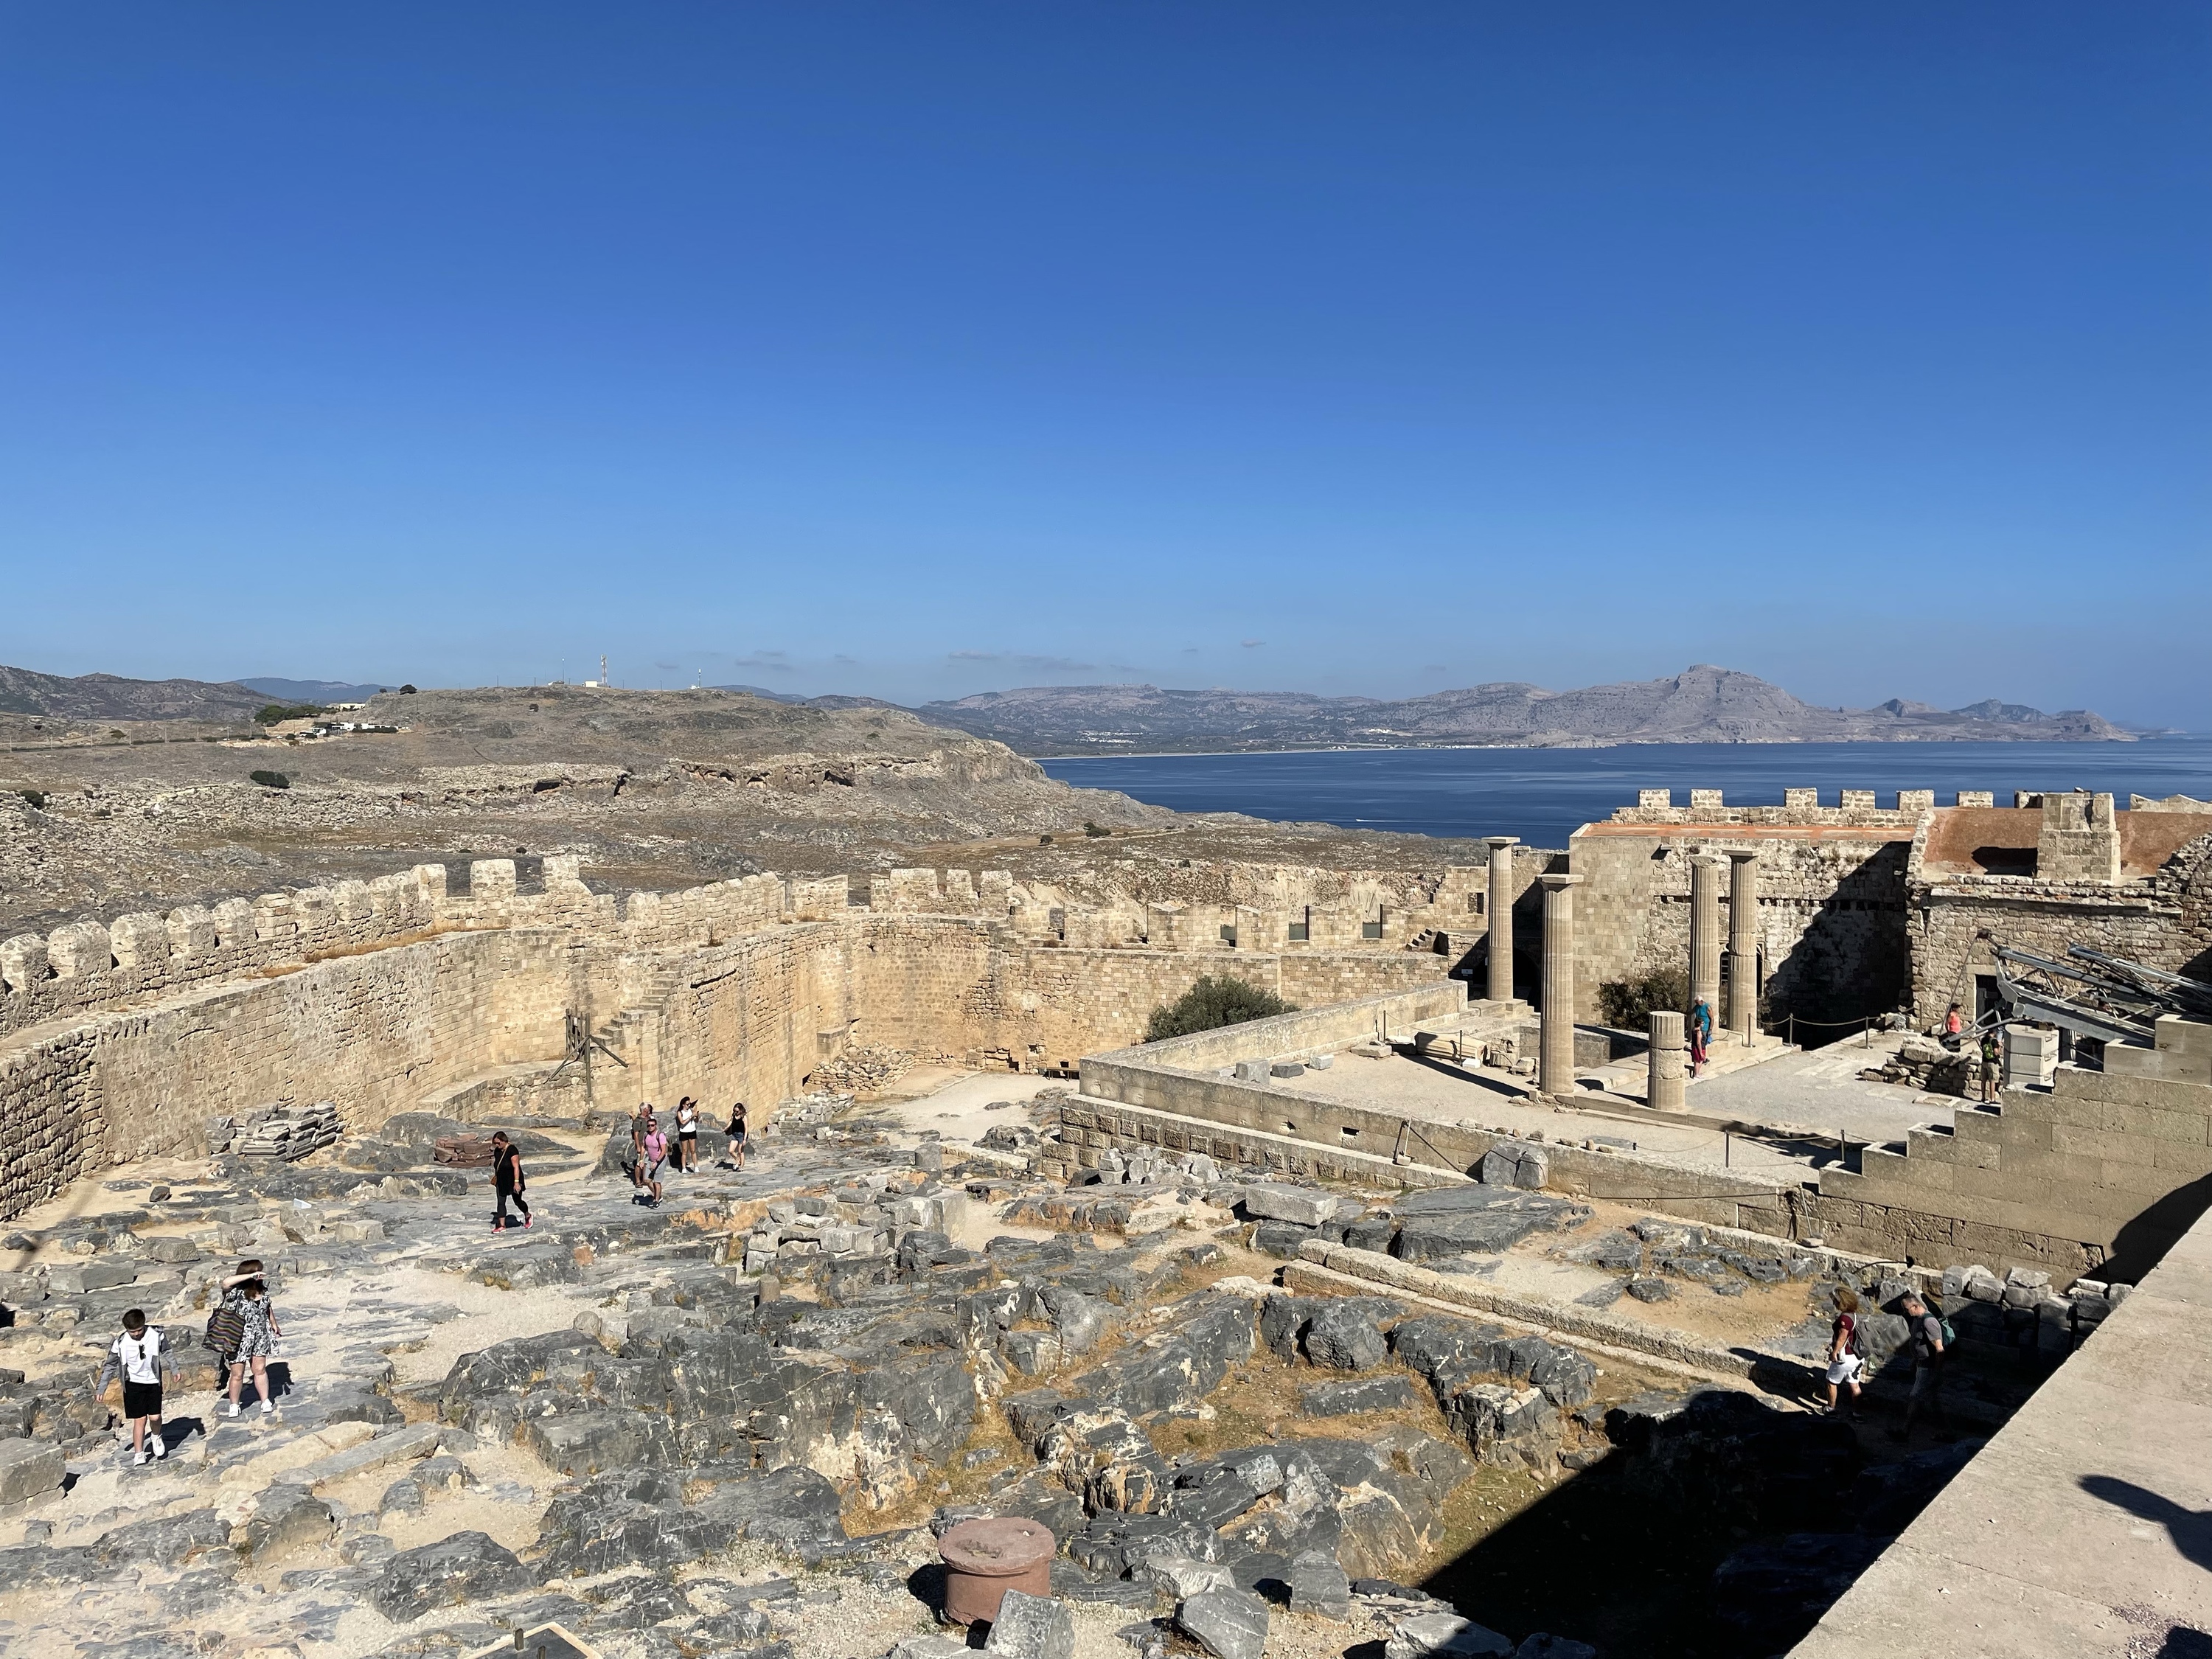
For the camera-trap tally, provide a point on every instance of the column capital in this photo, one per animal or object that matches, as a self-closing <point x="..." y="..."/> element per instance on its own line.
<point x="1743" y="854"/>
<point x="1558" y="879"/>
<point x="1497" y="841"/>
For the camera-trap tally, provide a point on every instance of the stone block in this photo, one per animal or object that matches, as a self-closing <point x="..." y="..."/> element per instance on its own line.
<point x="1032" y="1627"/>
<point x="1271" y="1202"/>
<point x="1443" y="1636"/>
<point x="29" y="1468"/>
<point x="1228" y="1623"/>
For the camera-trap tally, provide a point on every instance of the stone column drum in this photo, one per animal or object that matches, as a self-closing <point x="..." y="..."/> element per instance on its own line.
<point x="1705" y="931"/>
<point x="1743" y="945"/>
<point x="1500" y="903"/>
<point x="1667" y="1088"/>
<point x="1555" y="1064"/>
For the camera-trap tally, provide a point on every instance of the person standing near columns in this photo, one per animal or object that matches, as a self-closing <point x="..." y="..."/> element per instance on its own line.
<point x="1664" y="1090"/>
<point x="1555" y="1065"/>
<point x="1743" y="945"/>
<point x="1705" y="929"/>
<point x="1501" y="915"/>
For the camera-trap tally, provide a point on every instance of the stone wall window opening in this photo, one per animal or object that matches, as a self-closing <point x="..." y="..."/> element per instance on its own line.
<point x="1229" y="935"/>
<point x="1474" y="903"/>
<point x="1373" y="929"/>
<point x="1302" y="928"/>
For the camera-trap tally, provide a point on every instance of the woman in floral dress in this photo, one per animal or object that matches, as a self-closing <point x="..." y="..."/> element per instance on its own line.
<point x="248" y="1293"/>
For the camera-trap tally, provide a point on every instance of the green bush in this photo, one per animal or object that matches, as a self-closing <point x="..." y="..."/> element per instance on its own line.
<point x="270" y="713"/>
<point x="407" y="691"/>
<point x="1093" y="830"/>
<point x="32" y="797"/>
<point x="1628" y="1004"/>
<point x="270" y="780"/>
<point x="1212" y="1004"/>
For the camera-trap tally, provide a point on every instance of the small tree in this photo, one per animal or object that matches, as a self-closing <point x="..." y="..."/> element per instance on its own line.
<point x="270" y="780"/>
<point x="1629" y="1003"/>
<point x="270" y="712"/>
<point x="1212" y="1004"/>
<point x="1094" y="830"/>
<point x="32" y="798"/>
<point x="406" y="691"/>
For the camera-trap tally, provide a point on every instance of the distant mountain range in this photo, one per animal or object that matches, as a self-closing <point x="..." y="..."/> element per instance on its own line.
<point x="1703" y="704"/>
<point x="325" y="691"/>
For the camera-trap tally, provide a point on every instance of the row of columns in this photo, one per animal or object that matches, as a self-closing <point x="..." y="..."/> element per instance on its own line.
<point x="1555" y="1063"/>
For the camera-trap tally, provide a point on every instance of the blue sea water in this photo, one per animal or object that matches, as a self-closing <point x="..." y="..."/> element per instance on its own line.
<point x="1543" y="795"/>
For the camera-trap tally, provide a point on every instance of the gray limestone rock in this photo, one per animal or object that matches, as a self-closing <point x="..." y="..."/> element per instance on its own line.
<point x="1375" y="1393"/>
<point x="1270" y="1201"/>
<point x="28" y="1468"/>
<point x="1443" y="1636"/>
<point x="466" y="1568"/>
<point x="1032" y="1627"/>
<point x="286" y="1521"/>
<point x="1182" y="1577"/>
<point x="176" y="1542"/>
<point x="1342" y="1337"/>
<point x="1283" y="1240"/>
<point x="1319" y="1585"/>
<point x="1650" y="1290"/>
<point x="1228" y="1623"/>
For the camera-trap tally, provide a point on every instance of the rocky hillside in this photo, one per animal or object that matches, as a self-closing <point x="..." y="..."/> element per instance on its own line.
<point x="654" y="789"/>
<point x="1702" y="704"/>
<point x="110" y="697"/>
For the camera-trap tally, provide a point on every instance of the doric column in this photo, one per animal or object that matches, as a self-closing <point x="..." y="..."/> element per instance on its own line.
<point x="1705" y="931"/>
<point x="1664" y="1092"/>
<point x="1501" y="915"/>
<point x="1555" y="1065"/>
<point x="1743" y="945"/>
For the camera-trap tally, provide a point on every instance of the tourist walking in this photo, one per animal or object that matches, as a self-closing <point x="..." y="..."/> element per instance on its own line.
<point x="641" y="1124"/>
<point x="687" y="1135"/>
<point x="1701" y="1035"/>
<point x="246" y="1294"/>
<point x="1992" y="1058"/>
<point x="138" y="1355"/>
<point x="738" y="1135"/>
<point x="1928" y="1348"/>
<point x="1955" y="1023"/>
<point x="656" y="1154"/>
<point x="507" y="1182"/>
<point x="1844" y="1360"/>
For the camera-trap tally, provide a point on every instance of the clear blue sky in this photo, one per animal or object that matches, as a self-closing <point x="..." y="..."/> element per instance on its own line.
<point x="923" y="349"/>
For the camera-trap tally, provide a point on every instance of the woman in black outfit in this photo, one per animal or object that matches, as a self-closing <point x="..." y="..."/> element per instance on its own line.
<point x="506" y="1181"/>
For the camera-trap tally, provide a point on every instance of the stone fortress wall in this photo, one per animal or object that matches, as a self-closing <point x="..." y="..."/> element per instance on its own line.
<point x="123" y="1041"/>
<point x="1864" y="909"/>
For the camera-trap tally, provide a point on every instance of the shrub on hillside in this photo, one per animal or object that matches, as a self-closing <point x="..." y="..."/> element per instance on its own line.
<point x="270" y="780"/>
<point x="1212" y="1004"/>
<point x="1628" y="1003"/>
<point x="270" y="713"/>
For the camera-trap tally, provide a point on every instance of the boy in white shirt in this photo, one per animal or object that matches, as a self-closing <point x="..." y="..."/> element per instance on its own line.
<point x="137" y="1357"/>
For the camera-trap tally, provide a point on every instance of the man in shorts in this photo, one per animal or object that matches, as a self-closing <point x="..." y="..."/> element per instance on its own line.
<point x="1844" y="1364"/>
<point x="1927" y="1362"/>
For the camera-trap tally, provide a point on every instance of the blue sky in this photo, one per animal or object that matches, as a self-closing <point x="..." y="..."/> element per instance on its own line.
<point x="920" y="350"/>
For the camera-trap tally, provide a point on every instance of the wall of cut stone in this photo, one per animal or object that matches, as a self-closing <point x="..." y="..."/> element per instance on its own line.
<point x="1832" y="913"/>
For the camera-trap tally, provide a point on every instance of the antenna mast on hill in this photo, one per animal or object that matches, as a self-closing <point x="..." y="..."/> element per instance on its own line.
<point x="604" y="680"/>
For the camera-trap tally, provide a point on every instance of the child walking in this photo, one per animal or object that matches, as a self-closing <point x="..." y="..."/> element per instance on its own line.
<point x="137" y="1357"/>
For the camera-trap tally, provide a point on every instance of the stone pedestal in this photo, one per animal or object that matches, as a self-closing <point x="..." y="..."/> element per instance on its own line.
<point x="1667" y="1089"/>
<point x="1555" y="1062"/>
<point x="1705" y="931"/>
<point x="1743" y="945"/>
<point x="1500" y="903"/>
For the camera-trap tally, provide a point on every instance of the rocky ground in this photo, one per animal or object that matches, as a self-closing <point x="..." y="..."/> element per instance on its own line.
<point x="655" y="790"/>
<point x="736" y="1423"/>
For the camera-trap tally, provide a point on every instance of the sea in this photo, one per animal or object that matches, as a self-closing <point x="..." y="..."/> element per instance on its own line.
<point x="1543" y="795"/>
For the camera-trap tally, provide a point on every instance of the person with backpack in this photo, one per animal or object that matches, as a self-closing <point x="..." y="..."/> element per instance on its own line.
<point x="139" y="1356"/>
<point x="246" y="1294"/>
<point x="641" y="1124"/>
<point x="1701" y="1035"/>
<point x="1930" y="1342"/>
<point x="507" y="1182"/>
<point x="1992" y="1054"/>
<point x="1846" y="1360"/>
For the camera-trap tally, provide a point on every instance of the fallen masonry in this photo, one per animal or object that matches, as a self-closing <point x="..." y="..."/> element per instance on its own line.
<point x="738" y="1422"/>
